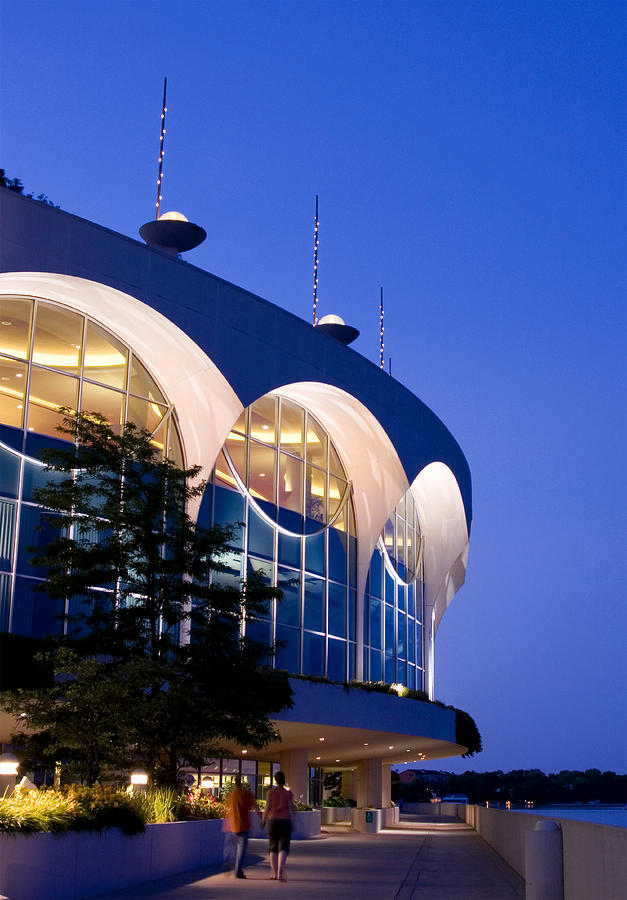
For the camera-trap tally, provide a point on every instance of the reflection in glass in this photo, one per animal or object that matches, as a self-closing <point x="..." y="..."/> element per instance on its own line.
<point x="262" y="471"/>
<point x="15" y="320"/>
<point x="105" y="357"/>
<point x="315" y="494"/>
<point x="49" y="391"/>
<point x="292" y="428"/>
<point x="317" y="443"/>
<point x="314" y="603"/>
<point x="263" y="416"/>
<point x="12" y="386"/>
<point x="290" y="483"/>
<point x="110" y="404"/>
<point x="237" y="446"/>
<point x="145" y="414"/>
<point x="337" y="490"/>
<point x="142" y="383"/>
<point x="58" y="338"/>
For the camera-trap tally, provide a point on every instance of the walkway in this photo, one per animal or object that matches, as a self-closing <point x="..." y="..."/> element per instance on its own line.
<point x="423" y="858"/>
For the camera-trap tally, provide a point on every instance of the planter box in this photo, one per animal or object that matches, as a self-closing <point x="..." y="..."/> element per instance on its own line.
<point x="392" y="816"/>
<point x="304" y="825"/>
<point x="368" y="821"/>
<point x="331" y="814"/>
<point x="82" y="864"/>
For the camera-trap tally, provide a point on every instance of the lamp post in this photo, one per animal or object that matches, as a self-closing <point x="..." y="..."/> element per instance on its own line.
<point x="8" y="773"/>
<point x="139" y="780"/>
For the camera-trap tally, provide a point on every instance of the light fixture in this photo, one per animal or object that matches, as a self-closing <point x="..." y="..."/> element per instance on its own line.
<point x="139" y="779"/>
<point x="8" y="764"/>
<point x="246" y="751"/>
<point x="318" y="757"/>
<point x="8" y="773"/>
<point x="320" y="739"/>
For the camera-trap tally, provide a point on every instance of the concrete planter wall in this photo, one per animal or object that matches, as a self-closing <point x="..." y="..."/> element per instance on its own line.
<point x="368" y="821"/>
<point x="81" y="864"/>
<point x="331" y="814"/>
<point x="304" y="825"/>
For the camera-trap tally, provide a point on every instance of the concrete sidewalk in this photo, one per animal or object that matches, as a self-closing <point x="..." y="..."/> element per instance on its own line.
<point x="423" y="858"/>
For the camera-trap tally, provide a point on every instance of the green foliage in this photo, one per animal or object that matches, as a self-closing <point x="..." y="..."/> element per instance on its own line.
<point x="199" y="804"/>
<point x="467" y="733"/>
<point x="15" y="184"/>
<point x="79" y="809"/>
<point x="338" y="802"/>
<point x="154" y="664"/>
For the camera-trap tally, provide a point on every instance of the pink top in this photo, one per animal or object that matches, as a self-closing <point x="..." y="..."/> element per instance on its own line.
<point x="279" y="803"/>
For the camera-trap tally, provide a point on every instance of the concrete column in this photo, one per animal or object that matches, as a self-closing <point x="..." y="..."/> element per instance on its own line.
<point x="386" y="785"/>
<point x="348" y="784"/>
<point x="544" y="865"/>
<point x="369" y="782"/>
<point x="295" y="765"/>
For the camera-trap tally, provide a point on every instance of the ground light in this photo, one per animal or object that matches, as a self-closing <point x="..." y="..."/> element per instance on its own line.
<point x="139" y="780"/>
<point x="8" y="773"/>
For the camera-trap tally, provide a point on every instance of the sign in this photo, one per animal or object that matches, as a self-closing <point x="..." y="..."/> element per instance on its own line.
<point x="368" y="815"/>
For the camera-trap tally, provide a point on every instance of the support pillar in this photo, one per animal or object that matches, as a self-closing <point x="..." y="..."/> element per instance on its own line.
<point x="348" y="784"/>
<point x="370" y="782"/>
<point x="386" y="785"/>
<point x="295" y="765"/>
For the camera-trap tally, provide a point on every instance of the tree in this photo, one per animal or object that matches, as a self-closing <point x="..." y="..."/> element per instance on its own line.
<point x="153" y="647"/>
<point x="15" y="185"/>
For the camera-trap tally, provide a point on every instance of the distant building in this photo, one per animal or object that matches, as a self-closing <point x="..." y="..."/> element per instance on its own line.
<point x="355" y="498"/>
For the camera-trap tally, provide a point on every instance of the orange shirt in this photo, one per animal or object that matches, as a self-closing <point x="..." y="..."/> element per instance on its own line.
<point x="239" y="803"/>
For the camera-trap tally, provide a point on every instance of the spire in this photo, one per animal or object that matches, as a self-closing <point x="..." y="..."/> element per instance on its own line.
<point x="315" y="274"/>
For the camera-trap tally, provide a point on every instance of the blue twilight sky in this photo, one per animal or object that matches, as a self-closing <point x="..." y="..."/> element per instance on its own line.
<point x="468" y="157"/>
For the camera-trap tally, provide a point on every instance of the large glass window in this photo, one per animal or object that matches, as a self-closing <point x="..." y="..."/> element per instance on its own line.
<point x="53" y="358"/>
<point x="395" y="576"/>
<point x="298" y="513"/>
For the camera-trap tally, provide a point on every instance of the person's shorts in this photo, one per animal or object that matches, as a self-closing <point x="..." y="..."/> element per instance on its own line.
<point x="279" y="834"/>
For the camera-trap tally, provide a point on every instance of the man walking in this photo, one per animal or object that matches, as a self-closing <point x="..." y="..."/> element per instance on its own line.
<point x="239" y="804"/>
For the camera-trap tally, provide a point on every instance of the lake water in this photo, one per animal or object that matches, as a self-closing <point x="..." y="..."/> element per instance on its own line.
<point x="600" y="815"/>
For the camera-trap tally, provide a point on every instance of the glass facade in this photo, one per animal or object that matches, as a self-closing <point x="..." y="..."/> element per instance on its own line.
<point x="280" y="476"/>
<point x="393" y="602"/>
<point x="52" y="357"/>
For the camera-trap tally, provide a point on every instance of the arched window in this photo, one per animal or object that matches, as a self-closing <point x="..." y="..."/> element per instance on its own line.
<point x="280" y="475"/>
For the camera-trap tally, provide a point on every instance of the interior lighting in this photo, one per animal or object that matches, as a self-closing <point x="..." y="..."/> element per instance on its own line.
<point x="390" y="748"/>
<point x="246" y="751"/>
<point x="320" y="739"/>
<point x="318" y="757"/>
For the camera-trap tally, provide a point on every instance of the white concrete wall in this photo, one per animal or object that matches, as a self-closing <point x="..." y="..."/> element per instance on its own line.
<point x="595" y="856"/>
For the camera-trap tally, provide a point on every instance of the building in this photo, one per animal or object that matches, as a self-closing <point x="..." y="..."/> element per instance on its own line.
<point x="354" y="496"/>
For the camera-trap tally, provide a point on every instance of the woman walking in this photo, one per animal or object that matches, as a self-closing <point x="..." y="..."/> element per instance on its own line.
<point x="278" y="815"/>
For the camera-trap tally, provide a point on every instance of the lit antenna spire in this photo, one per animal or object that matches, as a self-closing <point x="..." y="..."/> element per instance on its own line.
<point x="315" y="279"/>
<point x="381" y="331"/>
<point x="160" y="178"/>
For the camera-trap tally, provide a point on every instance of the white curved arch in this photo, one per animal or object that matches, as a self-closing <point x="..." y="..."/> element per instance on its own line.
<point x="367" y="453"/>
<point x="443" y="523"/>
<point x="205" y="402"/>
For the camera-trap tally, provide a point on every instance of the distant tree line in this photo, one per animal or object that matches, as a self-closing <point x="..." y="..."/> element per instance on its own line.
<point x="518" y="786"/>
